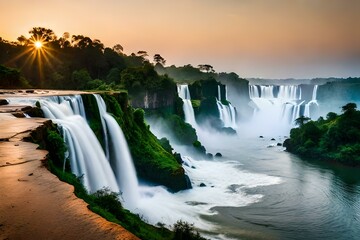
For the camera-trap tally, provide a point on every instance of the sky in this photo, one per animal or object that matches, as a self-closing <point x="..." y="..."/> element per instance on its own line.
<point x="253" y="38"/>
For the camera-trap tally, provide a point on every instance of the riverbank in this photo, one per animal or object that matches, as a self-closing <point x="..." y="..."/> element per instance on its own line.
<point x="35" y="204"/>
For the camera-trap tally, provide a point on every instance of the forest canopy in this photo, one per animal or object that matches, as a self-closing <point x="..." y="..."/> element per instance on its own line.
<point x="336" y="138"/>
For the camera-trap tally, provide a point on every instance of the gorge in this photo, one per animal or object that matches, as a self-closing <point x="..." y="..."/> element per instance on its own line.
<point x="227" y="192"/>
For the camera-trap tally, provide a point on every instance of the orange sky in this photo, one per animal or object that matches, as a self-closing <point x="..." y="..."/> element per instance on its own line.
<point x="254" y="38"/>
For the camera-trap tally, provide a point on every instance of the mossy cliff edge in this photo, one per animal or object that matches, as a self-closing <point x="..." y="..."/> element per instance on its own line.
<point x="152" y="162"/>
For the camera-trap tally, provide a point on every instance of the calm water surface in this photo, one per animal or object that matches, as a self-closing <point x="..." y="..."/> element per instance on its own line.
<point x="314" y="200"/>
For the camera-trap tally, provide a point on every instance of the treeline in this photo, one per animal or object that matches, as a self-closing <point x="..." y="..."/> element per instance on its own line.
<point x="75" y="62"/>
<point x="78" y="62"/>
<point x="336" y="138"/>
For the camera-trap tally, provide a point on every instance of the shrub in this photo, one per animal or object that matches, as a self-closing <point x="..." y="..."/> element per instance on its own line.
<point x="186" y="231"/>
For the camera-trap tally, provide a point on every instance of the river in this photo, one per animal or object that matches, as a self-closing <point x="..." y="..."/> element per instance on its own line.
<point x="314" y="200"/>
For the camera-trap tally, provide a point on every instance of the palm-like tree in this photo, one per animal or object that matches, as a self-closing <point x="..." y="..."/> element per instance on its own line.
<point x="300" y="121"/>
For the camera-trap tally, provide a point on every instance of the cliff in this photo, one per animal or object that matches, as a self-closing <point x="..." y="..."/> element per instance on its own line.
<point x="152" y="162"/>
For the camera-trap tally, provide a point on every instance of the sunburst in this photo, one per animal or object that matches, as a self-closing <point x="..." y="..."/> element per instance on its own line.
<point x="38" y="52"/>
<point x="38" y="44"/>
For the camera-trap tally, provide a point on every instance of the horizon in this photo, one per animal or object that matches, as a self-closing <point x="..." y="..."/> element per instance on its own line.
<point x="255" y="39"/>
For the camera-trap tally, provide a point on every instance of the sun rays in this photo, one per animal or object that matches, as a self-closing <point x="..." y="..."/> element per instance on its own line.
<point x="38" y="44"/>
<point x="36" y="53"/>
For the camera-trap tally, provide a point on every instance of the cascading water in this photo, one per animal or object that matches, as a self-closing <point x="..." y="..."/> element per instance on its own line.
<point x="86" y="156"/>
<point x="87" y="159"/>
<point x="313" y="101"/>
<point x="277" y="107"/>
<point x="119" y="157"/>
<point x="184" y="94"/>
<point x="227" y="112"/>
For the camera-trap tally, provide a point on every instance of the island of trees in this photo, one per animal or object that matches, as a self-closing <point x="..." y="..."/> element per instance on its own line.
<point x="336" y="138"/>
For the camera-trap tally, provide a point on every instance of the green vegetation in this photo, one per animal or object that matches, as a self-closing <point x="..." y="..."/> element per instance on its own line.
<point x="76" y="62"/>
<point x="107" y="205"/>
<point x="336" y="138"/>
<point x="152" y="162"/>
<point x="340" y="89"/>
<point x="11" y="78"/>
<point x="186" y="231"/>
<point x="103" y="202"/>
<point x="182" y="133"/>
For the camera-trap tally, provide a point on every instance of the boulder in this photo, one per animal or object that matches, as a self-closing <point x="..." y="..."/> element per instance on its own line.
<point x="202" y="185"/>
<point x="273" y="139"/>
<point x="279" y="144"/>
<point x="30" y="91"/>
<point x="218" y="155"/>
<point x="4" y="101"/>
<point x="228" y="130"/>
<point x="18" y="114"/>
<point x="261" y="136"/>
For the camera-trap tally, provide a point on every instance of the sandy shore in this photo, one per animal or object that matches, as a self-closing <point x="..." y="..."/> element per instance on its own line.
<point x="34" y="203"/>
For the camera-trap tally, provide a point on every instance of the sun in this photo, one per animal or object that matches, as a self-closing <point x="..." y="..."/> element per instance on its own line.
<point x="38" y="44"/>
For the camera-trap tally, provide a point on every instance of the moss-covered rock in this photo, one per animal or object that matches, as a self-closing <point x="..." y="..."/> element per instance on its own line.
<point x="93" y="116"/>
<point x="152" y="162"/>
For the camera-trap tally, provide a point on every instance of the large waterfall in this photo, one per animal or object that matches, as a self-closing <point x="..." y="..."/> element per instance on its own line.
<point x="226" y="111"/>
<point x="277" y="107"/>
<point x="119" y="156"/>
<point x="184" y="94"/>
<point x="87" y="158"/>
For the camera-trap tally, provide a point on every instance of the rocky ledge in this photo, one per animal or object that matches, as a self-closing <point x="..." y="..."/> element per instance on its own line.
<point x="35" y="201"/>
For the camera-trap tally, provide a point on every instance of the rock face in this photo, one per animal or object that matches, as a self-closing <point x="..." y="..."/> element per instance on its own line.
<point x="154" y="100"/>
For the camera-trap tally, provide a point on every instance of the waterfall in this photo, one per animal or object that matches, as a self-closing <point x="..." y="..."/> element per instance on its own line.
<point x="115" y="170"/>
<point x="119" y="158"/>
<point x="184" y="94"/>
<point x="291" y="92"/>
<point x="277" y="107"/>
<point x="227" y="113"/>
<point x="313" y="101"/>
<point x="219" y="93"/>
<point x="86" y="156"/>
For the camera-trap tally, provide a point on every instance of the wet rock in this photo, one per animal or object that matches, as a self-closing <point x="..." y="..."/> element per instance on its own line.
<point x="202" y="185"/>
<point x="178" y="158"/>
<point x="4" y="101"/>
<point x="273" y="139"/>
<point x="218" y="155"/>
<point x="279" y="144"/>
<point x="33" y="111"/>
<point x="261" y="136"/>
<point x="18" y="114"/>
<point x="30" y="91"/>
<point x="228" y="130"/>
<point x="209" y="156"/>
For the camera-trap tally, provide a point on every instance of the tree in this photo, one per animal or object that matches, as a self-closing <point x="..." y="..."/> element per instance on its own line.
<point x="64" y="41"/>
<point x="80" y="78"/>
<point x="43" y="34"/>
<point x="206" y="68"/>
<point x="22" y="40"/>
<point x="300" y="121"/>
<point x="350" y="107"/>
<point x="81" y="41"/>
<point x="143" y="55"/>
<point x="331" y="116"/>
<point x="158" y="59"/>
<point x="118" y="49"/>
